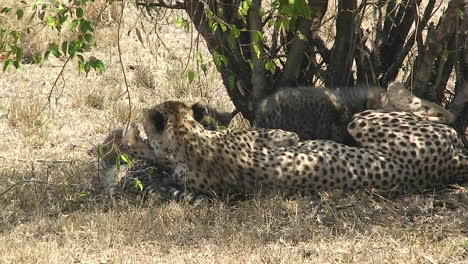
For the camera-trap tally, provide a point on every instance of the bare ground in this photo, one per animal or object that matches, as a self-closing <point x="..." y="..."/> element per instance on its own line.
<point x="63" y="217"/>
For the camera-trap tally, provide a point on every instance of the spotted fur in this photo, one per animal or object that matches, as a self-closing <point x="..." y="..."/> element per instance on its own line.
<point x="321" y="113"/>
<point x="154" y="172"/>
<point x="231" y="162"/>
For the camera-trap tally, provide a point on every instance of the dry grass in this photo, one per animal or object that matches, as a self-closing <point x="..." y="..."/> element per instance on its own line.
<point x="69" y="220"/>
<point x="144" y="77"/>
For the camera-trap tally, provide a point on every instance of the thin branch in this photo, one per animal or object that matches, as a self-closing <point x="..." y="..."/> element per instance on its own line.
<point x="31" y="181"/>
<point x="176" y="5"/>
<point x="40" y="160"/>
<point x="322" y="49"/>
<point x="423" y="68"/>
<point x="392" y="71"/>
<point x="49" y="96"/>
<point x="295" y="57"/>
<point x="122" y="65"/>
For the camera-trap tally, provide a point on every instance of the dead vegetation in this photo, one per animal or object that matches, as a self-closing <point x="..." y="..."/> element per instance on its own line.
<point x="58" y="214"/>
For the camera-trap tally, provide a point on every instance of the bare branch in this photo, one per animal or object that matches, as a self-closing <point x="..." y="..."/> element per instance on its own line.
<point x="436" y="38"/>
<point x="392" y="71"/>
<point x="161" y="3"/>
<point x="297" y="48"/>
<point x="397" y="27"/>
<point x="127" y="89"/>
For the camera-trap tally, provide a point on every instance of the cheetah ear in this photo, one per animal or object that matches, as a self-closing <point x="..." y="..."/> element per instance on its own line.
<point x="156" y="118"/>
<point x="199" y="111"/>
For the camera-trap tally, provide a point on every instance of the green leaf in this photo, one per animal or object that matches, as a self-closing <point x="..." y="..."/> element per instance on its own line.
<point x="19" y="14"/>
<point x="285" y="23"/>
<point x="223" y="27"/>
<point x="17" y="64"/>
<point x="125" y="158"/>
<point x="257" y="50"/>
<point x="61" y="20"/>
<point x="217" y="59"/>
<point x="271" y="22"/>
<point x="87" y="67"/>
<point x="52" y="21"/>
<point x="79" y="12"/>
<point x="46" y="55"/>
<point x="244" y="8"/>
<point x="231" y="82"/>
<point x="271" y="66"/>
<point x="461" y="14"/>
<point x="83" y="194"/>
<point x="258" y="36"/>
<point x="32" y="16"/>
<point x="137" y="184"/>
<point x="199" y="56"/>
<point x="445" y="54"/>
<point x="88" y="37"/>
<point x="64" y="47"/>
<point x="81" y="66"/>
<point x="204" y="68"/>
<point x="191" y="76"/>
<point x="98" y="66"/>
<point x="214" y="27"/>
<point x="302" y="37"/>
<point x="180" y="22"/>
<point x="101" y="151"/>
<point x="209" y="13"/>
<point x="71" y="49"/>
<point x="54" y="50"/>
<point x="85" y="26"/>
<point x="8" y="63"/>
<point x="3" y="46"/>
<point x="234" y="33"/>
<point x="18" y="53"/>
<point x="37" y="58"/>
<point x="6" y="10"/>
<point x="16" y="36"/>
<point x="302" y="9"/>
<point x="74" y="24"/>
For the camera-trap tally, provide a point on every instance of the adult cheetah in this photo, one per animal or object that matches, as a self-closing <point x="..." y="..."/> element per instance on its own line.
<point x="120" y="170"/>
<point x="321" y="113"/>
<point x="399" y="150"/>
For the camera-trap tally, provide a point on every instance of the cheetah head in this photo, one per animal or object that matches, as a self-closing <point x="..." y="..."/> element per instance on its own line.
<point x="167" y="123"/>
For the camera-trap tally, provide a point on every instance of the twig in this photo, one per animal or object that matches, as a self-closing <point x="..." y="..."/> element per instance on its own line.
<point x="177" y="5"/>
<point x="122" y="66"/>
<point x="53" y="87"/>
<point x="316" y="210"/>
<point x="41" y="160"/>
<point x="32" y="181"/>
<point x="345" y="206"/>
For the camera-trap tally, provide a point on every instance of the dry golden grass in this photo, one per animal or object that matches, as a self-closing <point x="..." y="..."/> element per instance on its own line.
<point x="69" y="220"/>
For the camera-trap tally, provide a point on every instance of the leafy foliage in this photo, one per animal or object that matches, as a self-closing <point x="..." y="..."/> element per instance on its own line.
<point x="58" y="15"/>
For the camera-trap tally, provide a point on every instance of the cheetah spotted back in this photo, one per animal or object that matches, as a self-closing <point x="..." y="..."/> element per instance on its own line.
<point x="431" y="152"/>
<point x="240" y="162"/>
